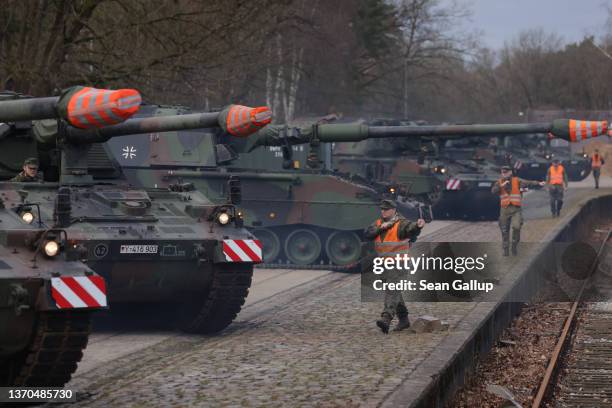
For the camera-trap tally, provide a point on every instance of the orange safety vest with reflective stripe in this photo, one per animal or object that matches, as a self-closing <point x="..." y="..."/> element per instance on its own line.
<point x="556" y="175"/>
<point x="596" y="161"/>
<point x="391" y="244"/>
<point x="514" y="197"/>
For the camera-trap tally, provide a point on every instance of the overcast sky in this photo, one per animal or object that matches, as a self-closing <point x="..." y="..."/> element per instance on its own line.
<point x="502" y="20"/>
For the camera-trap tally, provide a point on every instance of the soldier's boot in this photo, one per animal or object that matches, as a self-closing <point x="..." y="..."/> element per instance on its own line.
<point x="559" y="205"/>
<point x="516" y="237"/>
<point x="402" y="318"/>
<point x="553" y="207"/>
<point x="402" y="323"/>
<point x="384" y="322"/>
<point x="506" y="242"/>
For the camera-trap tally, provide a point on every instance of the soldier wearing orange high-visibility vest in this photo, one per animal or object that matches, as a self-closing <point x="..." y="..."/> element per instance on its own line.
<point x="392" y="234"/>
<point x="510" y="189"/>
<point x="596" y="162"/>
<point x="556" y="179"/>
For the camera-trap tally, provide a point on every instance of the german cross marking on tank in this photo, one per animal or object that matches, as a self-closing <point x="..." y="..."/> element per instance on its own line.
<point x="129" y="152"/>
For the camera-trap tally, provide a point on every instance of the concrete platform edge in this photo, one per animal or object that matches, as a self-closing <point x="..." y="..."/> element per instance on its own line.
<point x="437" y="379"/>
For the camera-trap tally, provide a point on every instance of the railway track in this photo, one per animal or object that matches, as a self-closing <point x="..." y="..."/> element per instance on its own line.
<point x="579" y="371"/>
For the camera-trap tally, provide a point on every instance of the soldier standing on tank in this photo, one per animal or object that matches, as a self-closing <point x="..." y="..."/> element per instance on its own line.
<point x="392" y="234"/>
<point x="29" y="172"/>
<point x="557" y="181"/>
<point x="596" y="162"/>
<point x="510" y="189"/>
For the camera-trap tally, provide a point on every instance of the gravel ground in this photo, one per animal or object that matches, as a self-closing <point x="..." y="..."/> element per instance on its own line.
<point x="316" y="351"/>
<point x="518" y="361"/>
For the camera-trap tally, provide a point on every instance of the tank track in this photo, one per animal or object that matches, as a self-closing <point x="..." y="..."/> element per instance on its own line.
<point x="55" y="349"/>
<point x="227" y="293"/>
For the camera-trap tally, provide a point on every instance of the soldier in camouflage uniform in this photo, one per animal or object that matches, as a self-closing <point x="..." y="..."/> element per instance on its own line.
<point x="510" y="188"/>
<point x="389" y="229"/>
<point x="29" y="172"/>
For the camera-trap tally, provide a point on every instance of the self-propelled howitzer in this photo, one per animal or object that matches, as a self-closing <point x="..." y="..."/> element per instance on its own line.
<point x="46" y="294"/>
<point x="444" y="184"/>
<point x="63" y="239"/>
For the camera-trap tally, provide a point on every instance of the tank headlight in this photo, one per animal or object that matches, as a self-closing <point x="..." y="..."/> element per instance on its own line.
<point x="548" y="157"/>
<point x="223" y="218"/>
<point x="51" y="248"/>
<point x="585" y="155"/>
<point x="442" y="170"/>
<point x="27" y="217"/>
<point x="392" y="190"/>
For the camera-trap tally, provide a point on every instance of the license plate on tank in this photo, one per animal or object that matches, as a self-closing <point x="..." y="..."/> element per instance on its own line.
<point x="485" y="184"/>
<point x="535" y="165"/>
<point x="574" y="162"/>
<point x="138" y="249"/>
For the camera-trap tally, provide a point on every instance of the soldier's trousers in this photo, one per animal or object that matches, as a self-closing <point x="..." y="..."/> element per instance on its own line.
<point x="510" y="217"/>
<point x="596" y="174"/>
<point x="556" y="198"/>
<point x="394" y="302"/>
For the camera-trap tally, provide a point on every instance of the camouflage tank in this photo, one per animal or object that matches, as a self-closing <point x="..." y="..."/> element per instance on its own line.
<point x="170" y="245"/>
<point x="301" y="216"/>
<point x="531" y="157"/>
<point x="47" y="295"/>
<point x="468" y="179"/>
<point x="457" y="166"/>
<point x="444" y="172"/>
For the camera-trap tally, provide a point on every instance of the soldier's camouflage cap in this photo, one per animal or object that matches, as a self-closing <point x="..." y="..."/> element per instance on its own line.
<point x="31" y="161"/>
<point x="506" y="168"/>
<point x="387" y="204"/>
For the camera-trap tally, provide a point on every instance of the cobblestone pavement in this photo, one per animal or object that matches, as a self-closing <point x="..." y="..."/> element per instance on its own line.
<point x="322" y="350"/>
<point x="305" y="348"/>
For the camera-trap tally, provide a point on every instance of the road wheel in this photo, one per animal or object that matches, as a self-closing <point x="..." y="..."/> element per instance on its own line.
<point x="270" y="243"/>
<point x="343" y="247"/>
<point x="303" y="247"/>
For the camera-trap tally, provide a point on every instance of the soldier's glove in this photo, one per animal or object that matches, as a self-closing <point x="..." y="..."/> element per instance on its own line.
<point x="386" y="225"/>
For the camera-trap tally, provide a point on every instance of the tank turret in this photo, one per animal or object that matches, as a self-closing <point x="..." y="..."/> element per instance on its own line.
<point x="62" y="243"/>
<point x="64" y="142"/>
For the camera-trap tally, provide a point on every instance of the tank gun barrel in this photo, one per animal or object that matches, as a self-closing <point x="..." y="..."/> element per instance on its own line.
<point x="82" y="107"/>
<point x="238" y="120"/>
<point x="28" y="109"/>
<point x="568" y="129"/>
<point x="457" y="130"/>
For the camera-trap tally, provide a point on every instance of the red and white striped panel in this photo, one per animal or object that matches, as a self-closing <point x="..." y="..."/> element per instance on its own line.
<point x="518" y="164"/>
<point x="242" y="250"/>
<point x="77" y="292"/>
<point x="453" y="184"/>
